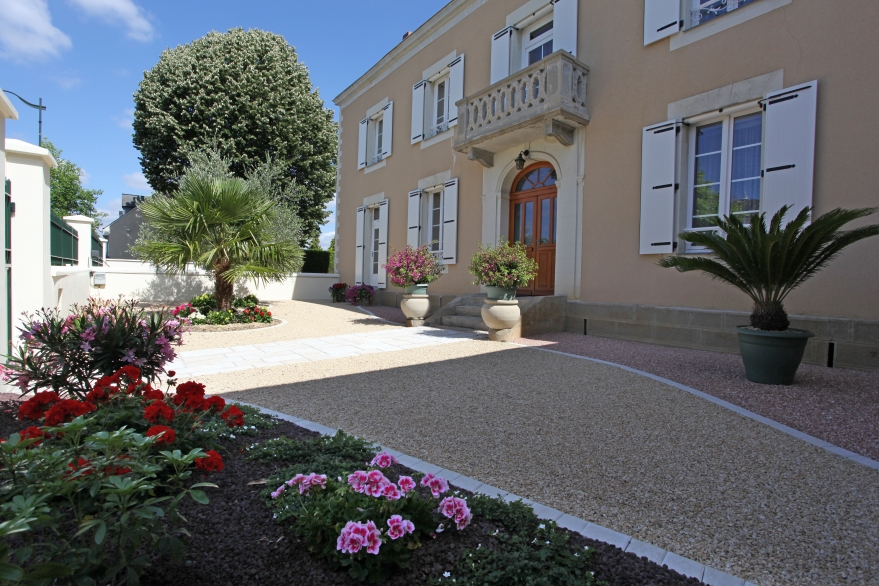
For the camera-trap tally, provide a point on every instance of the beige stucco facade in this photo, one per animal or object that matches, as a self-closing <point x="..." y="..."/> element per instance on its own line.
<point x="768" y="45"/>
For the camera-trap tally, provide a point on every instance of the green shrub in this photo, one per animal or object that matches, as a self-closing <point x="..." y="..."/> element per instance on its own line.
<point x="98" y="495"/>
<point x="544" y="557"/>
<point x="246" y="301"/>
<point x="317" y="261"/>
<point x="516" y="516"/>
<point x="347" y="450"/>
<point x="205" y="301"/>
<point x="216" y="318"/>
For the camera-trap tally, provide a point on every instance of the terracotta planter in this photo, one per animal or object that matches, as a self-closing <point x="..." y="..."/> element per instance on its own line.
<point x="415" y="308"/>
<point x="500" y="314"/>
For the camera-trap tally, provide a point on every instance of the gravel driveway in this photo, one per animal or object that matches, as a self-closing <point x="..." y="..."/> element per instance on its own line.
<point x="604" y="444"/>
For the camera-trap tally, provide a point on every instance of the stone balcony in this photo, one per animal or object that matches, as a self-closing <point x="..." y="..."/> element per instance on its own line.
<point x="544" y="99"/>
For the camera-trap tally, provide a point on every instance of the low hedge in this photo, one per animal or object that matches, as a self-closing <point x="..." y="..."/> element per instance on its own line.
<point x="317" y="261"/>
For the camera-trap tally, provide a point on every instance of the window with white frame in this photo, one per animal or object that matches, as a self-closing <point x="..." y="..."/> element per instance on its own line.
<point x="433" y="236"/>
<point x="434" y="98"/>
<point x="376" y="134"/>
<point x="537" y="41"/>
<point x="725" y="162"/>
<point x="440" y="108"/>
<point x="702" y="11"/>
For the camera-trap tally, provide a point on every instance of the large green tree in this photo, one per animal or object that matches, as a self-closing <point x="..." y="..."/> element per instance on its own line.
<point x="67" y="195"/>
<point x="247" y="93"/>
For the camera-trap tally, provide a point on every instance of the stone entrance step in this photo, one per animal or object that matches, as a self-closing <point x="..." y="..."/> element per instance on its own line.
<point x="467" y="315"/>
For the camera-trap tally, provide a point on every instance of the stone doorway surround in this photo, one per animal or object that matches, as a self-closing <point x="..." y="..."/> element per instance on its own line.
<point x="569" y="163"/>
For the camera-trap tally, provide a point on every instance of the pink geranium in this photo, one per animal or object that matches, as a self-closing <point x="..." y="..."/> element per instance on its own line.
<point x="437" y="485"/>
<point x="413" y="266"/>
<point x="398" y="527"/>
<point x="391" y="492"/>
<point x="406" y="484"/>
<point x="306" y="483"/>
<point x="356" y="536"/>
<point x="383" y="460"/>
<point x="457" y="509"/>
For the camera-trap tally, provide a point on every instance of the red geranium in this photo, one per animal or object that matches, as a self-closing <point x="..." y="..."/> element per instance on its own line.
<point x="211" y="462"/>
<point x="233" y="416"/>
<point x="67" y="410"/>
<point x="165" y="433"/>
<point x="82" y="465"/>
<point x="153" y="395"/>
<point x="36" y="406"/>
<point x="32" y="432"/>
<point x="217" y="403"/>
<point x="132" y="373"/>
<point x="190" y="395"/>
<point x="157" y="410"/>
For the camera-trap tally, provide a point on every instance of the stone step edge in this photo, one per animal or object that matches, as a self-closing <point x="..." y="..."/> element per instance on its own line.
<point x="680" y="564"/>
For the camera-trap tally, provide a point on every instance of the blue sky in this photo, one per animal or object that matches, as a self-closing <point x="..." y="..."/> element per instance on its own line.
<point x="85" y="58"/>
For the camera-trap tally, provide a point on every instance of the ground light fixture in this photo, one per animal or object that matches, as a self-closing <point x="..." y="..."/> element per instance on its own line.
<point x="38" y="106"/>
<point x="520" y="160"/>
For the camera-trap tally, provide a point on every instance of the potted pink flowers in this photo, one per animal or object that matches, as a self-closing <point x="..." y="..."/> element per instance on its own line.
<point x="413" y="269"/>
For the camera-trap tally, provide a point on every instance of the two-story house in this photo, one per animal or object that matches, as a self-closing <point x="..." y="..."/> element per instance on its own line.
<point x="596" y="132"/>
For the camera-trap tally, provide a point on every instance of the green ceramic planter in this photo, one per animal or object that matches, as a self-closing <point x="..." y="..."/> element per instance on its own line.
<point x="772" y="358"/>
<point x="416" y="290"/>
<point x="501" y="293"/>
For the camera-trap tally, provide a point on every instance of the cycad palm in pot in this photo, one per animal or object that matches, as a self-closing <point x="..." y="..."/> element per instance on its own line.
<point x="767" y="263"/>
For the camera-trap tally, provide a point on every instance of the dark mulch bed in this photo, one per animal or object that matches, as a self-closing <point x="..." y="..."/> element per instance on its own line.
<point x="236" y="542"/>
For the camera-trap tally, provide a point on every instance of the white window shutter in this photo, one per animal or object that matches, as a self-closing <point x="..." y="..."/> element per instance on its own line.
<point x="564" y="34"/>
<point x="413" y="232"/>
<point x="456" y="87"/>
<point x="358" y="256"/>
<point x="450" y="222"/>
<point x="658" y="148"/>
<point x="789" y="149"/>
<point x="388" y="130"/>
<point x="662" y="18"/>
<point x="361" y="144"/>
<point x="382" y="244"/>
<point x="418" y="111"/>
<point x="501" y="44"/>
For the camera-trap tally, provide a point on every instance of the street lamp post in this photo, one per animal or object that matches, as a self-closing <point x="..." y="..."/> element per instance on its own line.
<point x="39" y="107"/>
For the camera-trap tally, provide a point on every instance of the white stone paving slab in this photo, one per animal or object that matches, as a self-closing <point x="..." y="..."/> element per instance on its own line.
<point x="234" y="358"/>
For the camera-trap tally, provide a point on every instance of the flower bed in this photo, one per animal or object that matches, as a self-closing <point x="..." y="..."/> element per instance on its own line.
<point x="242" y="537"/>
<point x="246" y="314"/>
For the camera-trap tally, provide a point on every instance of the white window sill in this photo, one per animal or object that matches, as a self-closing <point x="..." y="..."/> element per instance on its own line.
<point x="438" y="138"/>
<point x="376" y="166"/>
<point x="727" y="21"/>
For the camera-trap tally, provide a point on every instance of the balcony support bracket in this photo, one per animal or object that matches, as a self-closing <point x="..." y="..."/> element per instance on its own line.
<point x="562" y="132"/>
<point x="485" y="158"/>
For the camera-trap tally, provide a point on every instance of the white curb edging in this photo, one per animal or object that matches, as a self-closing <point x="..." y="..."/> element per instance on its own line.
<point x="810" y="439"/>
<point x="680" y="564"/>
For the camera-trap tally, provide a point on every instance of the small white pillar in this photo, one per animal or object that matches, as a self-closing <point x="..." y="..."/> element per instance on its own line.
<point x="83" y="226"/>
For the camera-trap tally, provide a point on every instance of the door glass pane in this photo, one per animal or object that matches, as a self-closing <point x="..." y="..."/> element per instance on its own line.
<point x="746" y="160"/>
<point x="706" y="177"/>
<point x="545" y="215"/>
<point x="517" y="223"/>
<point x="555" y="215"/>
<point x="375" y="251"/>
<point x="529" y="223"/>
<point x="435" y="220"/>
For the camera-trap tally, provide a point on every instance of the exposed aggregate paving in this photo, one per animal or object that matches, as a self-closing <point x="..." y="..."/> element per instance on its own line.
<point x="616" y="448"/>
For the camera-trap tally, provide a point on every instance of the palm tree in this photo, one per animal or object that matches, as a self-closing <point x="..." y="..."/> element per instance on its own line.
<point x="767" y="264"/>
<point x="222" y="225"/>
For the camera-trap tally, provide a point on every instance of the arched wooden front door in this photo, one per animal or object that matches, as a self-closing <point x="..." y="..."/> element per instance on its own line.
<point x="533" y="211"/>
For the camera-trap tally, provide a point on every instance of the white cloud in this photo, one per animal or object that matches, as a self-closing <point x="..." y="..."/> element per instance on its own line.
<point x="84" y="176"/>
<point x="325" y="239"/>
<point x="124" y="12"/>
<point x="68" y="82"/>
<point x="126" y="119"/>
<point x="27" y="32"/>
<point x="137" y="181"/>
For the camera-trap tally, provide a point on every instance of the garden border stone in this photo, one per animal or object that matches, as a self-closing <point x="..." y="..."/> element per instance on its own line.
<point x="686" y="566"/>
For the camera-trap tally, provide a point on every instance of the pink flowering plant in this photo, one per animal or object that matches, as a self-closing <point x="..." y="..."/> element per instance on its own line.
<point x="413" y="266"/>
<point x="366" y="521"/>
<point x="67" y="355"/>
<point x="359" y="294"/>
<point x="506" y="265"/>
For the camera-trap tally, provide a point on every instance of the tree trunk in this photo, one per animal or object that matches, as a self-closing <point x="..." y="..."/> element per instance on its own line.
<point x="770" y="317"/>
<point x="223" y="289"/>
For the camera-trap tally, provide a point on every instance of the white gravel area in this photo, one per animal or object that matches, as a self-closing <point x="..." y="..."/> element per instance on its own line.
<point x="305" y="319"/>
<point x="610" y="446"/>
<point x="838" y="405"/>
